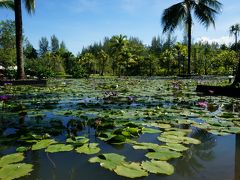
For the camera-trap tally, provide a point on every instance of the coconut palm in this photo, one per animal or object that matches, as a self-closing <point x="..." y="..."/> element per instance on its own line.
<point x="16" y="5"/>
<point x="235" y="30"/>
<point x="181" y="13"/>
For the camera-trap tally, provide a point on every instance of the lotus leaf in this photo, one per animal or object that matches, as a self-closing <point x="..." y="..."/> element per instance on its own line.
<point x="90" y="148"/>
<point x="22" y="149"/>
<point x="59" y="148"/>
<point x="13" y="171"/>
<point x="158" y="167"/>
<point x="132" y="170"/>
<point x="43" y="144"/>
<point x="11" y="158"/>
<point x="145" y="146"/>
<point x="109" y="161"/>
<point x="79" y="140"/>
<point x="163" y="154"/>
<point x="178" y="139"/>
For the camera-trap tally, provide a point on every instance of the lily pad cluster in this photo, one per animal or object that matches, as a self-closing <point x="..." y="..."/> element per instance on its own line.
<point x="11" y="168"/>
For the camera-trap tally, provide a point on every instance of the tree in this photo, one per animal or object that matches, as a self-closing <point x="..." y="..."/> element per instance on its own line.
<point x="29" y="51"/>
<point x="235" y="30"/>
<point x="43" y="46"/>
<point x="16" y="5"/>
<point x="181" y="13"/>
<point x="54" y="44"/>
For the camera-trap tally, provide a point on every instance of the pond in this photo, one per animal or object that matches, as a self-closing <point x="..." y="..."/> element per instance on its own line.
<point x="119" y="128"/>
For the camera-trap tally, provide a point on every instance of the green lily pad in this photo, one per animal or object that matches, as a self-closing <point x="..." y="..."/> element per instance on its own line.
<point x="80" y="140"/>
<point x="43" y="144"/>
<point x="109" y="161"/>
<point x="151" y="131"/>
<point x="158" y="167"/>
<point x="176" y="147"/>
<point x="22" y="149"/>
<point x="118" y="139"/>
<point x="145" y="146"/>
<point x="90" y="148"/>
<point x="59" y="148"/>
<point x="178" y="139"/>
<point x="11" y="158"/>
<point x="163" y="154"/>
<point x="132" y="170"/>
<point x="13" y="171"/>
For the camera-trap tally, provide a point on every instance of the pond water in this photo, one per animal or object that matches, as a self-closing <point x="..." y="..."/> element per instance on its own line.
<point x="119" y="115"/>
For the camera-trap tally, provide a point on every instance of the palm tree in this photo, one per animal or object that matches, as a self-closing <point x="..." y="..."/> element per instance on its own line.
<point x="235" y="30"/>
<point x="181" y="13"/>
<point x="16" y="5"/>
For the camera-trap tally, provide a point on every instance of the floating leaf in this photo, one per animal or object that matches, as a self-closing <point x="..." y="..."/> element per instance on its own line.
<point x="145" y="146"/>
<point x="11" y="158"/>
<point x="13" y="171"/>
<point x="22" y="149"/>
<point x="59" y="148"/>
<point x="151" y="131"/>
<point x="108" y="161"/>
<point x="90" y="148"/>
<point x="178" y="139"/>
<point x="80" y="140"/>
<point x="118" y="139"/>
<point x="132" y="170"/>
<point x="158" y="167"/>
<point x="176" y="147"/>
<point x="43" y="144"/>
<point x="163" y="154"/>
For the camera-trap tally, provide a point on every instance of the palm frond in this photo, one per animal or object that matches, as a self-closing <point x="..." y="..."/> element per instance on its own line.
<point x="213" y="4"/>
<point x="7" y="4"/>
<point x="173" y="16"/>
<point x="205" y="14"/>
<point x="30" y="6"/>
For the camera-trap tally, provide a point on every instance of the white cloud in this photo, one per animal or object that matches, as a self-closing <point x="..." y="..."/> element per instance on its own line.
<point x="222" y="40"/>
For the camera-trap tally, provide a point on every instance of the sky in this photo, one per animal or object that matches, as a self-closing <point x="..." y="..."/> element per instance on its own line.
<point x="80" y="23"/>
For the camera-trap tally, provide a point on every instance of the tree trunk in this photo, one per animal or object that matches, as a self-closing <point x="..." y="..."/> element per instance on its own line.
<point x="189" y="27"/>
<point x="19" y="39"/>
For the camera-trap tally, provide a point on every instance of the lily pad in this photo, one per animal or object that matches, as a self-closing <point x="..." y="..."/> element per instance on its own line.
<point x="158" y="167"/>
<point x="163" y="154"/>
<point x="59" y="148"/>
<point x="118" y="139"/>
<point x="80" y="140"/>
<point x="11" y="158"/>
<point x="90" y="148"/>
<point x="176" y="147"/>
<point x="145" y="146"/>
<point x="151" y="131"/>
<point x="109" y="161"/>
<point x="13" y="171"/>
<point x="132" y="170"/>
<point x="43" y="144"/>
<point x="22" y="149"/>
<point x="178" y="139"/>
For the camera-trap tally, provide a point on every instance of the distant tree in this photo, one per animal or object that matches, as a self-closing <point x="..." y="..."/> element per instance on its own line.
<point x="43" y="46"/>
<point x="181" y="13"/>
<point x="7" y="43"/>
<point x="29" y="51"/>
<point x="54" y="44"/>
<point x="235" y="30"/>
<point x="156" y="45"/>
<point x="16" y="5"/>
<point x="63" y="46"/>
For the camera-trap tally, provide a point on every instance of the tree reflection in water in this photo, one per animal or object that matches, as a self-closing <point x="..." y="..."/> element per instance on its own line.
<point x="191" y="162"/>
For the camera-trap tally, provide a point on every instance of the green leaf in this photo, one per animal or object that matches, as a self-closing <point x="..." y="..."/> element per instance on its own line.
<point x="163" y="154"/>
<point x="108" y="161"/>
<point x="145" y="146"/>
<point x="80" y="140"/>
<point x="118" y="139"/>
<point x="132" y="170"/>
<point x="90" y="148"/>
<point x="22" y="149"/>
<point x="59" y="148"/>
<point x="178" y="139"/>
<point x="11" y="158"/>
<point x="176" y="147"/>
<point x="43" y="144"/>
<point x="151" y="131"/>
<point x="13" y="171"/>
<point x="158" y="167"/>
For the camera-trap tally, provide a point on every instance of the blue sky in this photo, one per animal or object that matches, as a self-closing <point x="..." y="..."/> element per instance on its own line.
<point x="82" y="22"/>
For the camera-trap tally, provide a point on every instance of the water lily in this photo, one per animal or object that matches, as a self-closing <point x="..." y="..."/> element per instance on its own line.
<point x="202" y="104"/>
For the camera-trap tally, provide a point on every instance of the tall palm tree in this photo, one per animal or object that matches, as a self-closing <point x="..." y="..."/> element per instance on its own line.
<point x="16" y="5"/>
<point x="235" y="30"/>
<point x="181" y="13"/>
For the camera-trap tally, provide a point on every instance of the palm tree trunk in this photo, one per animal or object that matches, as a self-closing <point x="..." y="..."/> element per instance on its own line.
<point x="189" y="43"/>
<point x="19" y="39"/>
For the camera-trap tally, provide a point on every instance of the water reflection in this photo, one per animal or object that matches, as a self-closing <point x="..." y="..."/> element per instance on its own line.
<point x="192" y="160"/>
<point x="237" y="157"/>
